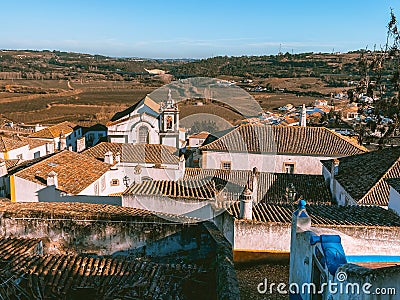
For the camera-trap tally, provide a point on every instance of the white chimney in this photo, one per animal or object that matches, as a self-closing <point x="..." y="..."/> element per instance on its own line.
<point x="52" y="179"/>
<point x="81" y="144"/>
<point x="303" y="117"/>
<point x="255" y="175"/>
<point x="108" y="158"/>
<point x="49" y="148"/>
<point x="246" y="205"/>
<point x="181" y="166"/>
<point x="118" y="157"/>
<point x="63" y="141"/>
<point x="334" y="172"/>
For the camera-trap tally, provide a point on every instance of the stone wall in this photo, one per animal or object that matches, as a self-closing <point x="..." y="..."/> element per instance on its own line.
<point x="227" y="284"/>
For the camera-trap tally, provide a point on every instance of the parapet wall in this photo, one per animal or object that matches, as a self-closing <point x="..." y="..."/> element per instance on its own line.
<point x="227" y="284"/>
<point x="101" y="237"/>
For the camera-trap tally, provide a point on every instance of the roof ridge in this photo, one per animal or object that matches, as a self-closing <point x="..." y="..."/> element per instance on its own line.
<point x="382" y="178"/>
<point x="347" y="139"/>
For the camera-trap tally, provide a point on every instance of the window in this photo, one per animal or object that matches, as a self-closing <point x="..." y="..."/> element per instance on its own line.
<point x="288" y="168"/>
<point x="143" y="135"/>
<point x="19" y="156"/>
<point x="226" y="165"/>
<point x="36" y="154"/>
<point x="114" y="182"/>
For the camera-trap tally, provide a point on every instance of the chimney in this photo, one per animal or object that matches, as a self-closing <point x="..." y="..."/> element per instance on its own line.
<point x="246" y="205"/>
<point x="255" y="175"/>
<point x="108" y="158"/>
<point x="3" y="168"/>
<point x="49" y="148"/>
<point x="181" y="166"/>
<point x="303" y="116"/>
<point x="334" y="172"/>
<point x="52" y="179"/>
<point x="81" y="144"/>
<point x="118" y="157"/>
<point x="63" y="141"/>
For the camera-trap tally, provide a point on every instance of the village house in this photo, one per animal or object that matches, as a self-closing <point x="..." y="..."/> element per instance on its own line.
<point x="141" y="161"/>
<point x="86" y="137"/>
<point x="361" y="179"/>
<point x="148" y="122"/>
<point x="62" y="135"/>
<point x="196" y="140"/>
<point x="276" y="149"/>
<point x="22" y="148"/>
<point x="70" y="173"/>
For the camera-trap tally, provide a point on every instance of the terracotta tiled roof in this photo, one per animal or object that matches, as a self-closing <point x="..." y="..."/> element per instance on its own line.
<point x="7" y="144"/>
<point x="136" y="153"/>
<point x="285" y="140"/>
<point x="272" y="187"/>
<point x="324" y="215"/>
<point x="79" y="211"/>
<point x="54" y="131"/>
<point x="201" y="135"/>
<point x="55" y="276"/>
<point x="10" y="163"/>
<point x="363" y="176"/>
<point x="185" y="189"/>
<point x="75" y="171"/>
<point x="33" y="143"/>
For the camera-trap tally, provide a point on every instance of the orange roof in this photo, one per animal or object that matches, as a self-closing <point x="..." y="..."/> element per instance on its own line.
<point x="201" y="135"/>
<point x="285" y="139"/>
<point x="54" y="131"/>
<point x="75" y="171"/>
<point x="7" y="144"/>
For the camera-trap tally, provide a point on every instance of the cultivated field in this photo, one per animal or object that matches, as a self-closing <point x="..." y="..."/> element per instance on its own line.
<point x="53" y="101"/>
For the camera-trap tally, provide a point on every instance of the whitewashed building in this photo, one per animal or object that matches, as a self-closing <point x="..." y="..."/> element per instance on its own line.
<point x="362" y="179"/>
<point x="70" y="173"/>
<point x="23" y="148"/>
<point x="276" y="149"/>
<point x="148" y="122"/>
<point x="62" y="135"/>
<point x="141" y="162"/>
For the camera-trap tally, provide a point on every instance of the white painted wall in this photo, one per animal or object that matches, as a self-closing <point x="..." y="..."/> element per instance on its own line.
<point x="264" y="162"/>
<point x="341" y="196"/>
<point x="127" y="131"/>
<point x="25" y="190"/>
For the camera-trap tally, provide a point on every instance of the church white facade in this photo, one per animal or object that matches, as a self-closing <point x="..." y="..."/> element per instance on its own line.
<point x="148" y="122"/>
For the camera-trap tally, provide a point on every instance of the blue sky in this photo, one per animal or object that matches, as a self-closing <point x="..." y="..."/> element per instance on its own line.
<point x="195" y="29"/>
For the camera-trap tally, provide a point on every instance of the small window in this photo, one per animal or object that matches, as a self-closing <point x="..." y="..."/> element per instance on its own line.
<point x="114" y="182"/>
<point x="36" y="154"/>
<point x="288" y="168"/>
<point x="19" y="156"/>
<point x="226" y="165"/>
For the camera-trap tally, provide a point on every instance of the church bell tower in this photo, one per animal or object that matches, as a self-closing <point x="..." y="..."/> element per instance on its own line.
<point x="169" y="122"/>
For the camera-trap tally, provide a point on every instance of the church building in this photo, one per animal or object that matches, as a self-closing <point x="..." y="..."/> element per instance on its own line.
<point x="148" y="122"/>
